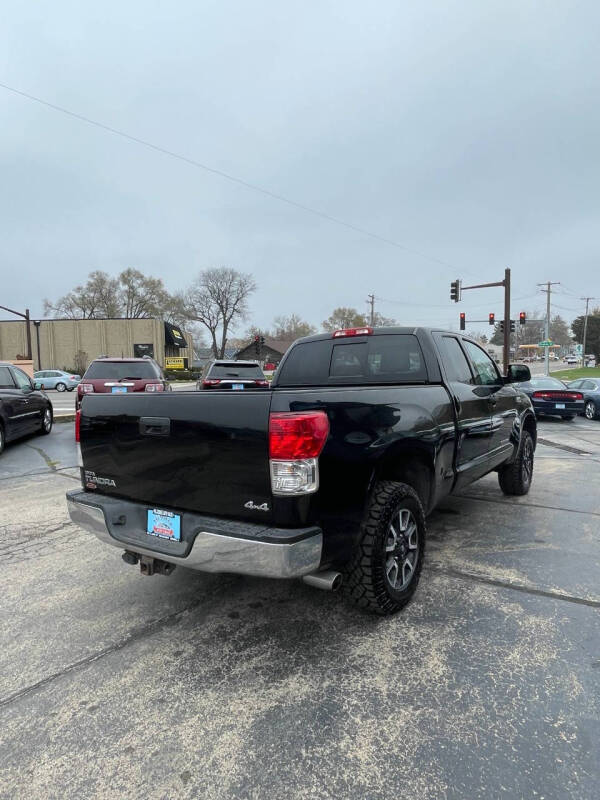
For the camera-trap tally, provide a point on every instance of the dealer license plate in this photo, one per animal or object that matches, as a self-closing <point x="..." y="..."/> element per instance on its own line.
<point x="164" y="524"/>
<point x="560" y="405"/>
<point x="237" y="385"/>
<point x="119" y="389"/>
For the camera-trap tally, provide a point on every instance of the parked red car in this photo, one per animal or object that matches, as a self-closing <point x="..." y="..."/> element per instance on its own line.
<point x="120" y="376"/>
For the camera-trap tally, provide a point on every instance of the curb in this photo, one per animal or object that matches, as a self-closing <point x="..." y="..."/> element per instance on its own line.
<point x="64" y="417"/>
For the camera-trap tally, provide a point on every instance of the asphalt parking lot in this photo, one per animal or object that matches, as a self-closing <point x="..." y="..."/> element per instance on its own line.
<point x="116" y="685"/>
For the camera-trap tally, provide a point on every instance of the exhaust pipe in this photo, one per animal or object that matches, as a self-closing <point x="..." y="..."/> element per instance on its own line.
<point x="329" y="580"/>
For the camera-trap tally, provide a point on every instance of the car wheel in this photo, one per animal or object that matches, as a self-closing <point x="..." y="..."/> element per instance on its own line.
<point x="2" y="438"/>
<point x="590" y="410"/>
<point x="46" y="422"/>
<point x="60" y="387"/>
<point x="70" y="388"/>
<point x="515" y="478"/>
<point x="384" y="571"/>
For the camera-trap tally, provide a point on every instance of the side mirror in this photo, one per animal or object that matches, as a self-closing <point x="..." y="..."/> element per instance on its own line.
<point x="518" y="373"/>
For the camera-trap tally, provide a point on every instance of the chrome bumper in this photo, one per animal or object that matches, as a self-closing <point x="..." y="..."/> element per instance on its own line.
<point x="210" y="552"/>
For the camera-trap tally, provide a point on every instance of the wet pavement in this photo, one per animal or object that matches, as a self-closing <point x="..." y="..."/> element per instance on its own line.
<point x="486" y="686"/>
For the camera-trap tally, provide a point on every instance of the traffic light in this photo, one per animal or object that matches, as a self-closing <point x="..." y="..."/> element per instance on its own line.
<point x="462" y="320"/>
<point x="522" y="318"/>
<point x="512" y="326"/>
<point x="257" y="345"/>
<point x="455" y="290"/>
<point x="262" y="341"/>
<point x="501" y="326"/>
<point x="492" y="319"/>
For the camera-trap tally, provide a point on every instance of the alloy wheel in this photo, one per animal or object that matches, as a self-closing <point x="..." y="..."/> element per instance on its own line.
<point x="60" y="387"/>
<point x="47" y="421"/>
<point x="590" y="410"/>
<point x="401" y="549"/>
<point x="527" y="461"/>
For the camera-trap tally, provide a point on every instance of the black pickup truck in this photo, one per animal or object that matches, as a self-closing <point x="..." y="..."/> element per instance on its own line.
<point x="328" y="476"/>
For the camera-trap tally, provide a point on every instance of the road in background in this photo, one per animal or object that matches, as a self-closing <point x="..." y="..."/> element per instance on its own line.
<point x="219" y="686"/>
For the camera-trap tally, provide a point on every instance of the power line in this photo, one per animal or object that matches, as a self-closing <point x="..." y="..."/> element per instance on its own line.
<point x="227" y="176"/>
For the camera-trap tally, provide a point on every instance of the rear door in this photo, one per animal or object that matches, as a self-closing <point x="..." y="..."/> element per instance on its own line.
<point x="205" y="452"/>
<point x="472" y="410"/>
<point x="501" y="398"/>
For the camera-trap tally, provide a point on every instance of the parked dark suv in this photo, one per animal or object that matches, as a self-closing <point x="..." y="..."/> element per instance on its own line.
<point x="236" y="375"/>
<point x="121" y="376"/>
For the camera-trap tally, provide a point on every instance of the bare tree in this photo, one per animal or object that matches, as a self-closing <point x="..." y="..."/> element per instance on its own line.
<point x="344" y="318"/>
<point x="99" y="298"/>
<point x="292" y="327"/>
<point x="218" y="300"/>
<point x="142" y="295"/>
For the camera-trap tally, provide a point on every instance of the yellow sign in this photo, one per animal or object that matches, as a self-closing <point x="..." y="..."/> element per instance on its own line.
<point x="174" y="363"/>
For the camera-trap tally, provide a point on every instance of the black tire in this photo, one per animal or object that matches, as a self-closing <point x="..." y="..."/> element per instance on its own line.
<point x="70" y="388"/>
<point x="60" y="387"/>
<point x="370" y="579"/>
<point x="47" y="422"/>
<point x="516" y="478"/>
<point x="590" y="410"/>
<point x="2" y="439"/>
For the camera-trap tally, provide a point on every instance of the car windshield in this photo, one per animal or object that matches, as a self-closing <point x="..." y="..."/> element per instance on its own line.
<point x="250" y="371"/>
<point x="545" y="383"/>
<point x="120" y="370"/>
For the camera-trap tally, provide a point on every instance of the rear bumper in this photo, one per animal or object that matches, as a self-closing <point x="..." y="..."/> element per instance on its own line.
<point x="546" y="407"/>
<point x="210" y="544"/>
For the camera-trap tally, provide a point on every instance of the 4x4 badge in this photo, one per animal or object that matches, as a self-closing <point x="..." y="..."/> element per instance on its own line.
<point x="253" y="507"/>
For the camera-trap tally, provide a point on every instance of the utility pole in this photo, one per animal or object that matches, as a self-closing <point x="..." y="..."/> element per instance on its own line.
<point x="371" y="302"/>
<point x="548" y="290"/>
<point x="587" y="305"/>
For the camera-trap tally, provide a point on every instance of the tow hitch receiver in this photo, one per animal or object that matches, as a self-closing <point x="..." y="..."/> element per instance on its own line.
<point x="148" y="565"/>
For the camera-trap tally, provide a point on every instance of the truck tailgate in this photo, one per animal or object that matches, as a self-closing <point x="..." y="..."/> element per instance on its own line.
<point x="198" y="451"/>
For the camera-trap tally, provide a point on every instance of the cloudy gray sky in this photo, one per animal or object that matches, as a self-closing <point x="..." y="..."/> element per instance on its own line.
<point x="466" y="131"/>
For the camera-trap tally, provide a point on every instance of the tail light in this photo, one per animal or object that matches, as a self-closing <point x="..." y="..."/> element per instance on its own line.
<point x="210" y="381"/>
<point x="77" y="424"/>
<point x="155" y="387"/>
<point x="86" y="388"/>
<point x="72" y="377"/>
<point x="262" y="383"/>
<point x="557" y="395"/>
<point x="295" y="443"/>
<point x="365" y="331"/>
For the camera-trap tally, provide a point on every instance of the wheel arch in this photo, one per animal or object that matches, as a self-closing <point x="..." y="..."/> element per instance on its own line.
<point x="412" y="466"/>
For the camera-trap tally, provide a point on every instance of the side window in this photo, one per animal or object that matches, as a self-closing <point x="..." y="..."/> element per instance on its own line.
<point x="6" y="381"/>
<point x="587" y="385"/>
<point x="21" y="378"/>
<point x="578" y="385"/>
<point x="486" y="373"/>
<point x="455" y="362"/>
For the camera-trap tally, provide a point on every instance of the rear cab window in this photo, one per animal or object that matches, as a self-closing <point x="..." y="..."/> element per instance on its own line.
<point x="385" y="358"/>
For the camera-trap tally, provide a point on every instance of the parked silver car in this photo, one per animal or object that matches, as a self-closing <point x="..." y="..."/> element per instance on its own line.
<point x="57" y="379"/>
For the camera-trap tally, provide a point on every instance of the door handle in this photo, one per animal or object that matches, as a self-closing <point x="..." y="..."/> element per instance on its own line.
<point x="155" y="426"/>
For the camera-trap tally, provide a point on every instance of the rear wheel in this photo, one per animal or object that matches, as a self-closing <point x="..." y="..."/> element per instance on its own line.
<point x="60" y="387"/>
<point x="516" y="478"/>
<point x="590" y="410"/>
<point x="385" y="568"/>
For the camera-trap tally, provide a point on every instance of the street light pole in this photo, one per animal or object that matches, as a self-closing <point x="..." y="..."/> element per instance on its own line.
<point x="25" y="316"/>
<point x="587" y="304"/>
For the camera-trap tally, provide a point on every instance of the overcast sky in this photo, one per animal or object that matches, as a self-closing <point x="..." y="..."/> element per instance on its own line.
<point x="466" y="131"/>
